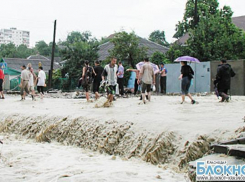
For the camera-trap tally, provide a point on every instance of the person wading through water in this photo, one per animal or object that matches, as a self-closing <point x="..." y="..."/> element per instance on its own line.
<point x="223" y="80"/>
<point x="185" y="77"/>
<point x="88" y="71"/>
<point x="97" y="78"/>
<point x="110" y="72"/>
<point x="148" y="78"/>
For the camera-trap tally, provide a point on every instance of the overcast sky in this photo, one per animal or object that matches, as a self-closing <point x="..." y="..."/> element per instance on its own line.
<point x="101" y="17"/>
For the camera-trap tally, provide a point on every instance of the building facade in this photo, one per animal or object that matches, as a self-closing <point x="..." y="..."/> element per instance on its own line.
<point x="14" y="36"/>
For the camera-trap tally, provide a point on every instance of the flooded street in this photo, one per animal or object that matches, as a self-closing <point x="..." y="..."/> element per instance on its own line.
<point x="26" y="161"/>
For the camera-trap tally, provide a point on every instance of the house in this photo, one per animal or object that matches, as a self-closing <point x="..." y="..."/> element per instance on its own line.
<point x="13" y="70"/>
<point x="152" y="47"/>
<point x="238" y="21"/>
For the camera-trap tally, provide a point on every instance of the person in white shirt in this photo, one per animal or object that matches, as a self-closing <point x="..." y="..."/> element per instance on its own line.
<point x="41" y="81"/>
<point x="31" y="83"/>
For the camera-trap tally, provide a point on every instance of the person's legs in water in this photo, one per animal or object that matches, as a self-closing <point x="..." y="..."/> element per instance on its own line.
<point x="161" y="84"/>
<point x="148" y="90"/>
<point x="2" y="95"/>
<point x="1" y="88"/>
<point x="87" y="96"/>
<point x="86" y="88"/>
<point x="224" y="97"/>
<point x="111" y="90"/>
<point x="143" y="92"/>
<point x="135" y="86"/>
<point x="164" y="84"/>
<point x="96" y="90"/>
<point x="185" y="85"/>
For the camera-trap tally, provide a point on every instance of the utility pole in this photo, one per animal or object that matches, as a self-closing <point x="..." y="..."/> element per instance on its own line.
<point x="195" y="14"/>
<point x="52" y="58"/>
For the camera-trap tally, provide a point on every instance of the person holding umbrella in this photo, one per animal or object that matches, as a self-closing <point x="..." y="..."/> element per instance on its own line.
<point x="185" y="77"/>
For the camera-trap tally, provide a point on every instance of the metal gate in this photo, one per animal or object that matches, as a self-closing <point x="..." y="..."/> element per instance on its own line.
<point x="200" y="83"/>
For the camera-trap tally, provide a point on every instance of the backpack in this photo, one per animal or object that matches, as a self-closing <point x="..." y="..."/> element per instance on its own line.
<point x="88" y="77"/>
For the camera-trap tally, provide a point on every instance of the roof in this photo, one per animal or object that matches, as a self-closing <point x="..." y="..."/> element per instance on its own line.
<point x="16" y="63"/>
<point x="37" y="57"/>
<point x="152" y="47"/>
<point x="238" y="21"/>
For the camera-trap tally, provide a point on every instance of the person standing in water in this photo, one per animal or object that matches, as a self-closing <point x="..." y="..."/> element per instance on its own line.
<point x="25" y="77"/>
<point x="88" y="71"/>
<point x="185" y="77"/>
<point x="163" y="78"/>
<point x="147" y="77"/>
<point x="1" y="83"/>
<point x="223" y="80"/>
<point x="110" y="72"/>
<point x="120" y="78"/>
<point x="136" y="85"/>
<point x="98" y="70"/>
<point x="31" y="82"/>
<point x="41" y="81"/>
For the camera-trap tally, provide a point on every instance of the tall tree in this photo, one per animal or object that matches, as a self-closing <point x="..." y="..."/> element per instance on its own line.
<point x="82" y="47"/>
<point x="217" y="38"/>
<point x="126" y="47"/>
<point x="158" y="58"/>
<point x="159" y="37"/>
<point x="204" y="9"/>
<point x="8" y="50"/>
<point x="43" y="48"/>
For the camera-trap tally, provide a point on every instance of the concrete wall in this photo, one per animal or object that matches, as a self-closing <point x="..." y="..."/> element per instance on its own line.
<point x="201" y="81"/>
<point x="237" y="82"/>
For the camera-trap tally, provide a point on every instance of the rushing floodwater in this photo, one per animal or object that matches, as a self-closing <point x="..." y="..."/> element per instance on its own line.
<point x="25" y="160"/>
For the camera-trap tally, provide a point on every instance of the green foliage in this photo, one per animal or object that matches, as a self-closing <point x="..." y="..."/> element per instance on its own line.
<point x="176" y="51"/>
<point x="11" y="51"/>
<point x="126" y="48"/>
<point x="217" y="38"/>
<point x="104" y="40"/>
<point x="158" y="58"/>
<point x="23" y="51"/>
<point x="45" y="49"/>
<point x="204" y="7"/>
<point x="159" y="37"/>
<point x="79" y="47"/>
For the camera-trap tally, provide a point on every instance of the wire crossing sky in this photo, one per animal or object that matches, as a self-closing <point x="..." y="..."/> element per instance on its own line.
<point x="100" y="17"/>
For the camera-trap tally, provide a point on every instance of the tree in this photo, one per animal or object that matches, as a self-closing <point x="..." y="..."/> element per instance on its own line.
<point x="204" y="7"/>
<point x="79" y="47"/>
<point x="158" y="58"/>
<point x="217" y="38"/>
<point x="43" y="48"/>
<point x="176" y="51"/>
<point x="158" y="37"/>
<point x="126" y="47"/>
<point x="23" y="51"/>
<point x="74" y="37"/>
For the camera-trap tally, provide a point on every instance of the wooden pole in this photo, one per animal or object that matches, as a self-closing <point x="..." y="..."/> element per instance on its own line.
<point x="52" y="58"/>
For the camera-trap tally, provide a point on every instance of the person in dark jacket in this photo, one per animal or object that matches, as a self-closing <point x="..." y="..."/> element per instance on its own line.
<point x="223" y="80"/>
<point x="185" y="77"/>
<point x="97" y="78"/>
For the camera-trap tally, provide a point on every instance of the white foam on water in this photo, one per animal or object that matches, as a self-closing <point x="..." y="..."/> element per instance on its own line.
<point x="25" y="160"/>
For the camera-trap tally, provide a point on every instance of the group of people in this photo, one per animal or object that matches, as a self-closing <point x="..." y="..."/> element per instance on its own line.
<point x="112" y="75"/>
<point x="29" y="80"/>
